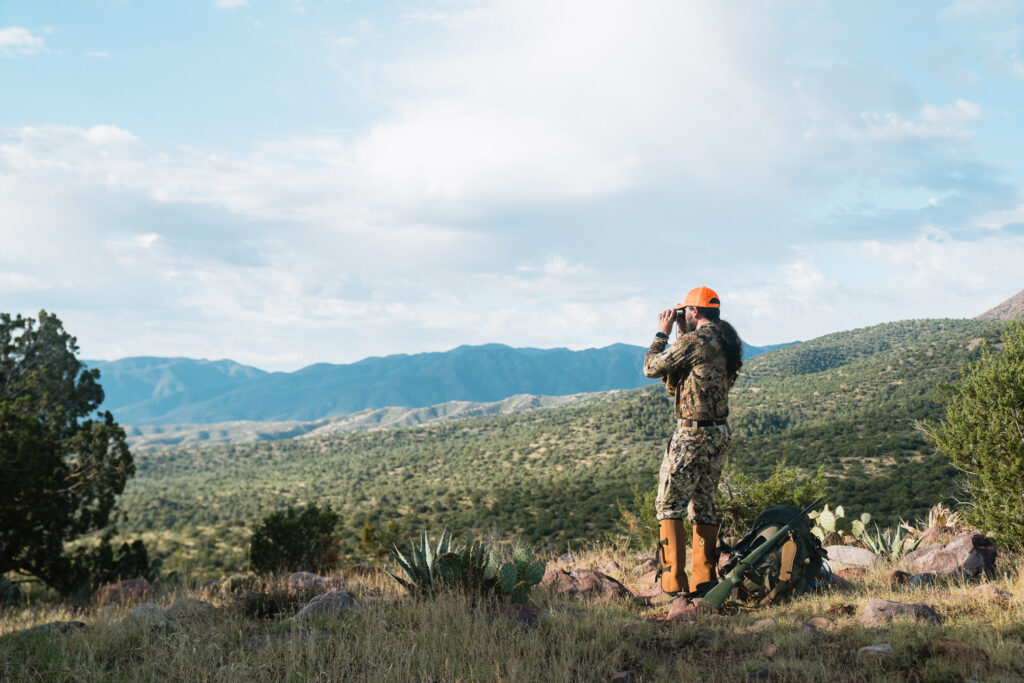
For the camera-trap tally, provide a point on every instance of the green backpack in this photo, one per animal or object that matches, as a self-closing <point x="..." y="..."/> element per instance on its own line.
<point x="793" y="567"/>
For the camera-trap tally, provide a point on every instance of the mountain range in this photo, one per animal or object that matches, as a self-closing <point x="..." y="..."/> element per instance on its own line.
<point x="174" y="391"/>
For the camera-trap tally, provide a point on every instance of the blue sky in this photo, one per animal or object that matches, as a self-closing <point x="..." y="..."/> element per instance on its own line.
<point x="294" y="181"/>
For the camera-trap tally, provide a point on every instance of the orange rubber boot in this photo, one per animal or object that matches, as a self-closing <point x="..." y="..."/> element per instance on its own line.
<point x="703" y="574"/>
<point x="672" y="555"/>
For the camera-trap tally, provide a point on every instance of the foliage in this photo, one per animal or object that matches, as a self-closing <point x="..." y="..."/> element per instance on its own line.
<point x="983" y="434"/>
<point x="637" y="525"/>
<point x="473" y="568"/>
<point x="60" y="470"/>
<point x="740" y="497"/>
<point x="375" y="541"/>
<point x="291" y="541"/>
<point x="829" y="525"/>
<point x="891" y="544"/>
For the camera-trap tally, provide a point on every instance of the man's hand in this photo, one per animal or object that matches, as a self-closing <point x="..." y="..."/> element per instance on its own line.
<point x="665" y="321"/>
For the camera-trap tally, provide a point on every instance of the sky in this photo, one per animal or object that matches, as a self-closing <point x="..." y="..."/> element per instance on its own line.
<point x="285" y="182"/>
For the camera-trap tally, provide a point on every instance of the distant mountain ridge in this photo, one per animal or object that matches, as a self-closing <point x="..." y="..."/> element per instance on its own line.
<point x="166" y="391"/>
<point x="1007" y="310"/>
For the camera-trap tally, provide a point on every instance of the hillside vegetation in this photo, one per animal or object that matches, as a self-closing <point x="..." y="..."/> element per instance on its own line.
<point x="555" y="478"/>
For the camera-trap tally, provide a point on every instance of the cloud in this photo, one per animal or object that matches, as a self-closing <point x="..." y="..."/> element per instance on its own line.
<point x="17" y="41"/>
<point x="231" y="4"/>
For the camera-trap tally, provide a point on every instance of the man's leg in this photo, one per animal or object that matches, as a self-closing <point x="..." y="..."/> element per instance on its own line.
<point x="708" y="469"/>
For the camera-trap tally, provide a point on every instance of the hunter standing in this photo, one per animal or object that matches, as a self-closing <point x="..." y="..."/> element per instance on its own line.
<point x="698" y="369"/>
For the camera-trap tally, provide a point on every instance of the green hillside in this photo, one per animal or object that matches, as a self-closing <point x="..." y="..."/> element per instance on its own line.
<point x="846" y="401"/>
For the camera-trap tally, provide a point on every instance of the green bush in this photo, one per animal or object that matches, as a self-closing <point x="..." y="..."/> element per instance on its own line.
<point x="983" y="434"/>
<point x="740" y="497"/>
<point x="292" y="541"/>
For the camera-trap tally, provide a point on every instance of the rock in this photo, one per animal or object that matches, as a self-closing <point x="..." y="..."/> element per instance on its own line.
<point x="770" y="650"/>
<point x="845" y="556"/>
<point x="611" y="567"/>
<point x="876" y="651"/>
<point x="149" y="614"/>
<point x="823" y="623"/>
<point x="621" y="677"/>
<point x="897" y="578"/>
<point x="684" y="609"/>
<point x="838" y="583"/>
<point x="568" y="557"/>
<point x="52" y="628"/>
<point x="956" y="650"/>
<point x="239" y="583"/>
<point x="922" y="580"/>
<point x="763" y="624"/>
<point x="809" y="631"/>
<point x="878" y="612"/>
<point x="129" y="590"/>
<point x="584" y="584"/>
<point x="189" y="608"/>
<point x="650" y="577"/>
<point x="645" y="567"/>
<point x="987" y="591"/>
<point x="851" y="573"/>
<point x="525" y="617"/>
<point x="307" y="581"/>
<point x="968" y="555"/>
<point x="330" y="603"/>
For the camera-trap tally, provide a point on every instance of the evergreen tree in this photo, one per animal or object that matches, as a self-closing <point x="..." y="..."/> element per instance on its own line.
<point x="983" y="434"/>
<point x="61" y="465"/>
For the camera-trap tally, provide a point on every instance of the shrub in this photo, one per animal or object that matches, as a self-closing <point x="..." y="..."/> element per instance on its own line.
<point x="291" y="541"/>
<point x="983" y="434"/>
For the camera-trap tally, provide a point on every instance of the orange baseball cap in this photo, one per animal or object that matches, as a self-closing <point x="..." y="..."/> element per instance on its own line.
<point x="704" y="297"/>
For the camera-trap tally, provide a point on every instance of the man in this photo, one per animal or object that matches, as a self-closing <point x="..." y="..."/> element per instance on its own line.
<point x="698" y="371"/>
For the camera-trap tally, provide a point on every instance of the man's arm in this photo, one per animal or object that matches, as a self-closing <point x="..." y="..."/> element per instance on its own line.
<point x="660" y="362"/>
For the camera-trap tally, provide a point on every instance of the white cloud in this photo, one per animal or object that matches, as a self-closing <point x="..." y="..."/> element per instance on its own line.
<point x="18" y="41"/>
<point x="231" y="4"/>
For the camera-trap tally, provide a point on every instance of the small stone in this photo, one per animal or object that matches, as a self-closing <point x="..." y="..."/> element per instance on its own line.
<point x="770" y="650"/>
<point x="525" y="617"/>
<point x="645" y="567"/>
<point x="332" y="603"/>
<point x="876" y="651"/>
<point x="684" y="609"/>
<point x="621" y="677"/>
<point x="823" y="623"/>
<point x="763" y="624"/>
<point x="897" y="578"/>
<point x="839" y="584"/>
<point x="922" y="580"/>
<point x="956" y="650"/>
<point x="611" y="567"/>
<point x="650" y="577"/>
<point x="987" y="591"/>
<point x="878" y="612"/>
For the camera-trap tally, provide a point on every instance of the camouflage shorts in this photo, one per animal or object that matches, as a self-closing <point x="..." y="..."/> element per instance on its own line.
<point x="690" y="472"/>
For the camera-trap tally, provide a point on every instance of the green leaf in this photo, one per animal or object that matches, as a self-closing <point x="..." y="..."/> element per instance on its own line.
<point x="493" y="562"/>
<point x="522" y="557"/>
<point x="534" y="573"/>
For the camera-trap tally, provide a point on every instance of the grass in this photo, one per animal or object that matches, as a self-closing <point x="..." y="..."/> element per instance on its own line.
<point x="390" y="637"/>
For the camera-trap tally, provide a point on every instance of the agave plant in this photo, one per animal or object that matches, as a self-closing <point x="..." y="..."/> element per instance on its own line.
<point x="422" y="570"/>
<point x="890" y="544"/>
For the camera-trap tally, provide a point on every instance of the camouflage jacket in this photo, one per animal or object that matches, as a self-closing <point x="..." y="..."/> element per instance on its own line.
<point x="694" y="372"/>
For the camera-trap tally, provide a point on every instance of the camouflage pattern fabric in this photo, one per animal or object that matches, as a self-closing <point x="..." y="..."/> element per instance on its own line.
<point x="690" y="472"/>
<point x="694" y="372"/>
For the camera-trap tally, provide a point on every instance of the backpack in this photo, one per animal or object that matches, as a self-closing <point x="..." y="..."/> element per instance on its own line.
<point x="791" y="568"/>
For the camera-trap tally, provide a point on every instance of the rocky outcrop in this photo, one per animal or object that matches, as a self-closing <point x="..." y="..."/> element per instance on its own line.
<point x="129" y="590"/>
<point x="584" y="584"/>
<point x="879" y="612"/>
<point x="309" y="582"/>
<point x="52" y="628"/>
<point x="968" y="556"/>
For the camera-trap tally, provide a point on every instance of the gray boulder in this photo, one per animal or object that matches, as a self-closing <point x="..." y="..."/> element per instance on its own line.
<point x="307" y="581"/>
<point x="52" y="628"/>
<point x="149" y="614"/>
<point x="849" y="556"/>
<point x="968" y="556"/>
<point x="874" y="652"/>
<point x="879" y="612"/>
<point x="189" y="608"/>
